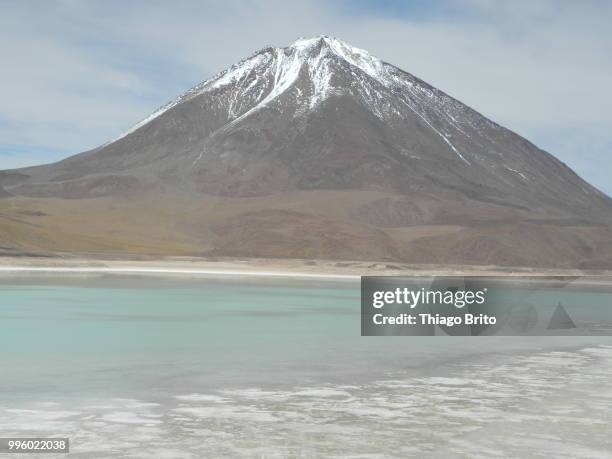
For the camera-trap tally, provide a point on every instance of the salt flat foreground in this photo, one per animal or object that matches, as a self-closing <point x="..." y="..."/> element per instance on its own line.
<point x="191" y="366"/>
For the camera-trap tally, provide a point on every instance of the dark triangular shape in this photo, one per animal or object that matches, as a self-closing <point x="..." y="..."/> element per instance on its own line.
<point x="560" y="319"/>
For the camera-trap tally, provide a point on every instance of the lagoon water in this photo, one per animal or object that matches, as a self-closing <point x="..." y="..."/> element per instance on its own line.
<point x="155" y="366"/>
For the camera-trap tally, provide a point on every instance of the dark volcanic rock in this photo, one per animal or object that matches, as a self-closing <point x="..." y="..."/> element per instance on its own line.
<point x="323" y="115"/>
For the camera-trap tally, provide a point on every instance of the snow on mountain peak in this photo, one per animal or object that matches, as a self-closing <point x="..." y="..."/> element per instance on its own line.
<point x="357" y="57"/>
<point x="287" y="62"/>
<point x="259" y="80"/>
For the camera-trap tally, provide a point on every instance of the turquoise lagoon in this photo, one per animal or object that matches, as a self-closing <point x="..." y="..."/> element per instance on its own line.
<point x="155" y="366"/>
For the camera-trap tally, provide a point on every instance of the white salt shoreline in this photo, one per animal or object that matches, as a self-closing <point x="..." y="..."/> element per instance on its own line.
<point x="179" y="271"/>
<point x="268" y="268"/>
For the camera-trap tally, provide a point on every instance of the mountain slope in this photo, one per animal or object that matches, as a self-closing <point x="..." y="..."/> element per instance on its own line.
<point x="287" y="129"/>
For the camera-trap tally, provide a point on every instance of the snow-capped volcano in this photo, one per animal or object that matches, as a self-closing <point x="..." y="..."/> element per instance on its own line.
<point x="277" y="69"/>
<point x="294" y="129"/>
<point x="311" y="68"/>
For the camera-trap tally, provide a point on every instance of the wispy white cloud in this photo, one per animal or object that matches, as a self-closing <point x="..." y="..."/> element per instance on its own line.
<point x="76" y="73"/>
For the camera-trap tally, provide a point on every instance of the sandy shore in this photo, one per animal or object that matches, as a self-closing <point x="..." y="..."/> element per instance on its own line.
<point x="288" y="268"/>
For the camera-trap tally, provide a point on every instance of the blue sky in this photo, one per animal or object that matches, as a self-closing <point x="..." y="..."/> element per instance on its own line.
<point x="76" y="73"/>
